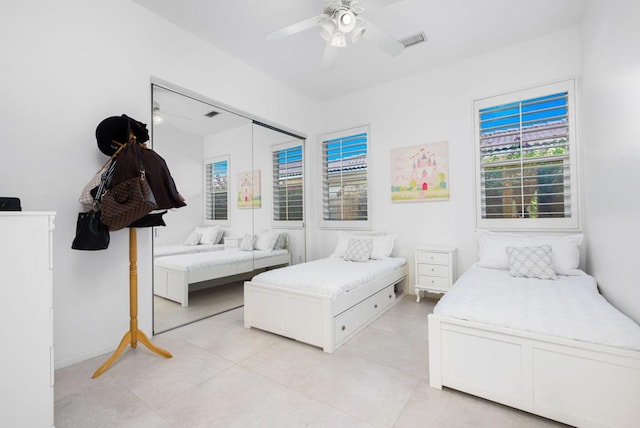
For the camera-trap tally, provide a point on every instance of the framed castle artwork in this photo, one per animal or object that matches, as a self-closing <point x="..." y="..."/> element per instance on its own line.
<point x="420" y="173"/>
<point x="249" y="195"/>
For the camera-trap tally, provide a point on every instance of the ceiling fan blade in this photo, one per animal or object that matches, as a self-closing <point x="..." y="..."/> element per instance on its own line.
<point x="295" y="28"/>
<point x="383" y="40"/>
<point x="329" y="57"/>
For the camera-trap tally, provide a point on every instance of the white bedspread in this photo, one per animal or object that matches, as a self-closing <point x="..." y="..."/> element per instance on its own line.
<point x="569" y="307"/>
<point x="171" y="250"/>
<point x="192" y="262"/>
<point x="330" y="277"/>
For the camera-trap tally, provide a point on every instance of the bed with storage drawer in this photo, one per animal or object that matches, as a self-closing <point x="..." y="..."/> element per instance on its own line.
<point x="545" y="342"/>
<point x="174" y="274"/>
<point x="325" y="302"/>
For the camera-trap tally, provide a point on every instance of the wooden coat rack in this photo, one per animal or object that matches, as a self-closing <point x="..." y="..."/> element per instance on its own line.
<point x="134" y="334"/>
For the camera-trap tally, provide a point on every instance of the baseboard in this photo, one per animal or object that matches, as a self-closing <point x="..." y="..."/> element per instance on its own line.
<point x="78" y="358"/>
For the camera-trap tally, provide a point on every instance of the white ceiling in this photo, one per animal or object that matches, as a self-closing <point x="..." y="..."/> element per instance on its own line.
<point x="188" y="114"/>
<point x="455" y="29"/>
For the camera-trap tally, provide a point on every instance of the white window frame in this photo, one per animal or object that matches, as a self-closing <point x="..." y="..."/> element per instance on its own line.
<point x="344" y="224"/>
<point x="287" y="224"/>
<point x="533" y="224"/>
<point x="211" y="161"/>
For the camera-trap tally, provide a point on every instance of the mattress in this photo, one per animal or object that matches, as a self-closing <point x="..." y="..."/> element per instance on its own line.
<point x="331" y="276"/>
<point x="568" y="307"/>
<point x="199" y="261"/>
<point x="170" y="250"/>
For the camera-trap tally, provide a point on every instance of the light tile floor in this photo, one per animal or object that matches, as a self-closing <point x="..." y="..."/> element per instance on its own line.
<point x="223" y="375"/>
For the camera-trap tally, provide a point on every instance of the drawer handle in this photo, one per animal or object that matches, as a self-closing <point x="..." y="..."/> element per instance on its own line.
<point x="375" y="306"/>
<point x="389" y="295"/>
<point x="343" y="328"/>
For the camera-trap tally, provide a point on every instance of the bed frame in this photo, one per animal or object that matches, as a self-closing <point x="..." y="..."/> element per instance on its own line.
<point x="571" y="381"/>
<point x="317" y="319"/>
<point x="174" y="284"/>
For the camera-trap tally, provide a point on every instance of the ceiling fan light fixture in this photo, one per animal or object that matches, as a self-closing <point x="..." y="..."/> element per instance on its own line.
<point x="345" y="20"/>
<point x="327" y="28"/>
<point x="339" y="40"/>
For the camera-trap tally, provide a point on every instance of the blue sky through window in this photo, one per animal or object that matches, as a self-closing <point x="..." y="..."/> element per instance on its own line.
<point x="346" y="147"/>
<point x="535" y="111"/>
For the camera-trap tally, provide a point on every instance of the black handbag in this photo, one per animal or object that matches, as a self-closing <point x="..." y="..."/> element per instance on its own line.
<point x="91" y="234"/>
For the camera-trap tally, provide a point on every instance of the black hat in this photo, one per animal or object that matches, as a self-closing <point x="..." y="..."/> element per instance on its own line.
<point x="116" y="128"/>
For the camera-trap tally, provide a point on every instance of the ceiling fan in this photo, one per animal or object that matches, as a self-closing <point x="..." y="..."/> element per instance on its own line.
<point x="341" y="20"/>
<point x="159" y="115"/>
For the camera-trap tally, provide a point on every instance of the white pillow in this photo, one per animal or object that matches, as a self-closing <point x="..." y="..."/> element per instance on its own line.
<point x="282" y="242"/>
<point x="193" y="238"/>
<point x="209" y="235"/>
<point x="565" y="254"/>
<point x="531" y="262"/>
<point x="358" y="250"/>
<point x="382" y="243"/>
<point x="266" y="241"/>
<point x="247" y="242"/>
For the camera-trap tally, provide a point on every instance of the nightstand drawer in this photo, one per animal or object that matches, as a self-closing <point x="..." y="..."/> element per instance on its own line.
<point x="433" y="282"/>
<point x="434" y="258"/>
<point x="433" y="270"/>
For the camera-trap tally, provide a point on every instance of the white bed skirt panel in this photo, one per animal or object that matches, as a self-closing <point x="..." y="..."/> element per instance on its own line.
<point x="574" y="382"/>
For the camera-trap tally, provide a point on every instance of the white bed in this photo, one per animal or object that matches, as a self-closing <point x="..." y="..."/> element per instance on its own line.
<point x="322" y="302"/>
<point x="555" y="348"/>
<point x="173" y="274"/>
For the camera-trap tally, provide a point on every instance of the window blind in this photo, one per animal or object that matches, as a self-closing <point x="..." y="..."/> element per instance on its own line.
<point x="344" y="163"/>
<point x="288" y="183"/>
<point x="217" y="195"/>
<point x="525" y="159"/>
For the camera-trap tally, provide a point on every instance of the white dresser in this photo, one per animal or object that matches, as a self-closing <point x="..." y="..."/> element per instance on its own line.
<point x="26" y="356"/>
<point x="435" y="269"/>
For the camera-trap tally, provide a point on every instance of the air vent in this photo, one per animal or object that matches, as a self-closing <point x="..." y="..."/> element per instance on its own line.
<point x="414" y="39"/>
<point x="211" y="113"/>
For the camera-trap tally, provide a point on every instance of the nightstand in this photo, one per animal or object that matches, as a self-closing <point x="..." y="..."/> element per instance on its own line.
<point x="232" y="241"/>
<point x="435" y="269"/>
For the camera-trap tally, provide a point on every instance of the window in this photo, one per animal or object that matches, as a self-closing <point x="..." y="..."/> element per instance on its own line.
<point x="288" y="183"/>
<point x="345" y="169"/>
<point x="526" y="149"/>
<point x="216" y="175"/>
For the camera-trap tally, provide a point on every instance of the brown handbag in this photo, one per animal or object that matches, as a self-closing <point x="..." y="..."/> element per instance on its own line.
<point x="129" y="200"/>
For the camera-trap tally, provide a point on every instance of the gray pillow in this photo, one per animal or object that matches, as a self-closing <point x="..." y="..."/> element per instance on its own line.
<point x="358" y="250"/>
<point x="531" y="262"/>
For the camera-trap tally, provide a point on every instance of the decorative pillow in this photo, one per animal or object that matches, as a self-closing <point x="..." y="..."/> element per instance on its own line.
<point x="209" y="235"/>
<point x="531" y="262"/>
<point x="247" y="243"/>
<point x="492" y="249"/>
<point x="219" y="236"/>
<point x="358" y="250"/>
<point x="282" y="242"/>
<point x="193" y="238"/>
<point x="266" y="241"/>
<point x="382" y="243"/>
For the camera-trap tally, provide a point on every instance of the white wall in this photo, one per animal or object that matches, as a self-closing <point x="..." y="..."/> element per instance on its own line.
<point x="611" y="137"/>
<point x="429" y="107"/>
<point x="237" y="144"/>
<point x="183" y="153"/>
<point x="66" y="66"/>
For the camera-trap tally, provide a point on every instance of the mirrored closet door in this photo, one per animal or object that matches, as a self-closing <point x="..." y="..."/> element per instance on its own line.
<point x="243" y="182"/>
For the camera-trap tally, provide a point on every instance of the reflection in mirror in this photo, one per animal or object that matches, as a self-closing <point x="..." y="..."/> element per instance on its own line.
<point x="281" y="156"/>
<point x="243" y="185"/>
